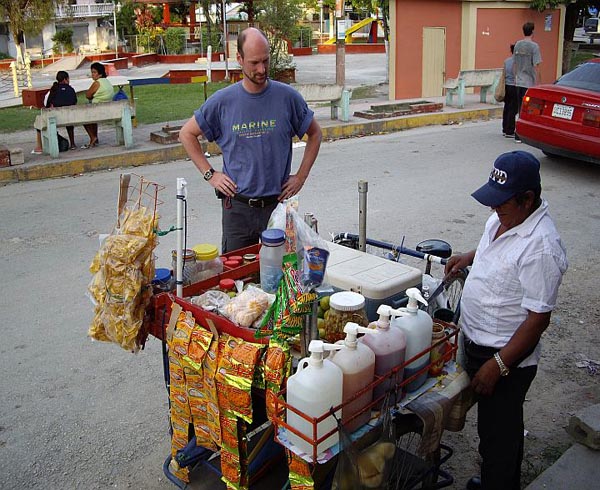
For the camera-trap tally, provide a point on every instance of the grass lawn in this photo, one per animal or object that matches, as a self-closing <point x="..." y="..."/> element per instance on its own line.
<point x="154" y="103"/>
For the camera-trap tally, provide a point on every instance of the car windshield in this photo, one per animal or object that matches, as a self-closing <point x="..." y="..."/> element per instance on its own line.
<point x="585" y="76"/>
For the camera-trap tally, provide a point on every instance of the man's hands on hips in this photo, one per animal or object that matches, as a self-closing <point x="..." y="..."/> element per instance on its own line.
<point x="484" y="381"/>
<point x="291" y="187"/>
<point x="223" y="183"/>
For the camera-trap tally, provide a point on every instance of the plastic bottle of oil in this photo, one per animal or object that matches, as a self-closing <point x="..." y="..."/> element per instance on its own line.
<point x="389" y="347"/>
<point x="313" y="389"/>
<point x="357" y="362"/>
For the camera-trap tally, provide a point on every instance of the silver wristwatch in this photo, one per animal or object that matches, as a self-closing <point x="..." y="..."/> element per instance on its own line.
<point x="503" y="369"/>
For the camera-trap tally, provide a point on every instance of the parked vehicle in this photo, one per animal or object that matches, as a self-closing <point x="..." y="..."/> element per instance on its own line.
<point x="592" y="28"/>
<point x="563" y="118"/>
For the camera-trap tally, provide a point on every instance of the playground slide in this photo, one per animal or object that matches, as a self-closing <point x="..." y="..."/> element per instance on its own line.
<point x="352" y="29"/>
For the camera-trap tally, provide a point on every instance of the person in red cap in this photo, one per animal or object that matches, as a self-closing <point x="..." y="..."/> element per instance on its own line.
<point x="506" y="305"/>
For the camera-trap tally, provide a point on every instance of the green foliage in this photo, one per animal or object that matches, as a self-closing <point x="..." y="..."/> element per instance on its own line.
<point x="63" y="41"/>
<point x="154" y="103"/>
<point x="4" y="56"/>
<point x="212" y="38"/>
<point x="126" y="18"/>
<point x="175" y="40"/>
<point x="278" y="19"/>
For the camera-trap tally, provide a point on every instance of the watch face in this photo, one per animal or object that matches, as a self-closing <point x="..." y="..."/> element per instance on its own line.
<point x="208" y="174"/>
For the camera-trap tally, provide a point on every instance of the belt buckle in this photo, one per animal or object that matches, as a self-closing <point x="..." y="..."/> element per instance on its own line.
<point x="256" y="203"/>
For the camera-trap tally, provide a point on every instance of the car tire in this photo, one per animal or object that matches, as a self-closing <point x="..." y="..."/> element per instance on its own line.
<point x="550" y="155"/>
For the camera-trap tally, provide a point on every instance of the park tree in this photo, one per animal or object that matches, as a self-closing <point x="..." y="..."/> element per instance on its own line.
<point x="573" y="9"/>
<point x="27" y="17"/>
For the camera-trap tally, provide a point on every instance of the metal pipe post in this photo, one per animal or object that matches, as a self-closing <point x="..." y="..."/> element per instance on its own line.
<point x="181" y="196"/>
<point x="363" y="188"/>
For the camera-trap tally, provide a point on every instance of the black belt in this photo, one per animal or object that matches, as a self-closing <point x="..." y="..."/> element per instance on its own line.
<point x="256" y="202"/>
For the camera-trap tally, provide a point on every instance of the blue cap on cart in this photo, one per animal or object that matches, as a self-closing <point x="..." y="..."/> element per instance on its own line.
<point x="514" y="172"/>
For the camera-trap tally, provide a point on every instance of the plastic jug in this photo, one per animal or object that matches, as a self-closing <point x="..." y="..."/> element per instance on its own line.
<point x="357" y="362"/>
<point x="313" y="390"/>
<point x="417" y="326"/>
<point x="389" y="348"/>
<point x="271" y="258"/>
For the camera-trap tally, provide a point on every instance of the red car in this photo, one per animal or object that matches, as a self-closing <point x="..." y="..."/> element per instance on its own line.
<point x="563" y="118"/>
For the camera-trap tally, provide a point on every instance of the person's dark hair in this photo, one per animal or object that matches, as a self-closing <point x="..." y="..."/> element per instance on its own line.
<point x="521" y="197"/>
<point x="528" y="28"/>
<point x="61" y="76"/>
<point x="242" y="39"/>
<point x="100" y="68"/>
<point x="512" y="48"/>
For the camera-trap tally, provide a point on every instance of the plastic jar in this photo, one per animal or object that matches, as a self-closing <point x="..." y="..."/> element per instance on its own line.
<point x="208" y="262"/>
<point x="189" y="265"/>
<point x="345" y="306"/>
<point x="271" y="258"/>
<point x="227" y="286"/>
<point x="163" y="281"/>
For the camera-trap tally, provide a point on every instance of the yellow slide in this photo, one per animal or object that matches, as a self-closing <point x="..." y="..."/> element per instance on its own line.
<point x="353" y="29"/>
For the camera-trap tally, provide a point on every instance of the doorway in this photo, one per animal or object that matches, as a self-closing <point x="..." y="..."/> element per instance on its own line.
<point x="434" y="61"/>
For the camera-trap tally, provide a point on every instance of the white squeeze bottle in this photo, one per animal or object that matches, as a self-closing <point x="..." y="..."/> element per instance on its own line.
<point x="314" y="389"/>
<point x="389" y="347"/>
<point x="418" y="326"/>
<point x="357" y="362"/>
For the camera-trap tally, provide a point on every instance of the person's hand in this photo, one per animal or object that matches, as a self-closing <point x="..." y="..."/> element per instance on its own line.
<point x="291" y="187"/>
<point x="223" y="183"/>
<point x="484" y="381"/>
<point x="456" y="263"/>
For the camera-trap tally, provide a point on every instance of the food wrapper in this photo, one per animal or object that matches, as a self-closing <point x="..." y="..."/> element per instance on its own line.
<point x="299" y="472"/>
<point x="209" y="370"/>
<point x="200" y="340"/>
<point x="246" y="307"/>
<point x="277" y="366"/>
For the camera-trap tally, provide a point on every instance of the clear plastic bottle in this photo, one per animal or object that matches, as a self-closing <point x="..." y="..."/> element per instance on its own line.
<point x="389" y="348"/>
<point x="271" y="258"/>
<point x="313" y="389"/>
<point x="357" y="362"/>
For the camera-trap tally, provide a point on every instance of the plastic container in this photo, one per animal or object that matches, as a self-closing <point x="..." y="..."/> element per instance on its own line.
<point x="163" y="281"/>
<point x="344" y="307"/>
<point x="208" y="262"/>
<point x="439" y="353"/>
<point x="380" y="281"/>
<point x="313" y="390"/>
<point x="189" y="265"/>
<point x="271" y="258"/>
<point x="231" y="264"/>
<point x="417" y="326"/>
<point x="227" y="285"/>
<point x="389" y="347"/>
<point x="357" y="362"/>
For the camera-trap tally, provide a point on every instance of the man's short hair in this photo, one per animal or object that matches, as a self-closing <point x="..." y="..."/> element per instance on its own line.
<point x="528" y="28"/>
<point x="241" y="40"/>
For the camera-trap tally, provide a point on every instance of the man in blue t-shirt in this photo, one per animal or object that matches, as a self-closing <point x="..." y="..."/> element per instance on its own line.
<point x="253" y="122"/>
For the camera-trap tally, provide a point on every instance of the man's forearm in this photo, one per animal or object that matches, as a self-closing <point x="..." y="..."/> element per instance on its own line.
<point x="525" y="338"/>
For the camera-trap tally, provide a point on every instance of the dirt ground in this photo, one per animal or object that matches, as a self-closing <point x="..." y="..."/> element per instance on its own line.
<point x="560" y="388"/>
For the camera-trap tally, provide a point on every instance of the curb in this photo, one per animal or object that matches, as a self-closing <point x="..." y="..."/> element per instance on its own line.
<point x="136" y="158"/>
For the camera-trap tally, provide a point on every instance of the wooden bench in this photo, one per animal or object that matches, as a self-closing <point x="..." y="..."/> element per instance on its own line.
<point x="486" y="79"/>
<point x="118" y="113"/>
<point x="336" y="95"/>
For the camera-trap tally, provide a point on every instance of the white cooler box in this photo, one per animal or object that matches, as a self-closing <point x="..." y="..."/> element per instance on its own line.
<point x="379" y="280"/>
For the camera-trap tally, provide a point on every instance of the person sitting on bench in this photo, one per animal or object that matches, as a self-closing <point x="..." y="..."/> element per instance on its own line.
<point x="61" y="94"/>
<point x="100" y="91"/>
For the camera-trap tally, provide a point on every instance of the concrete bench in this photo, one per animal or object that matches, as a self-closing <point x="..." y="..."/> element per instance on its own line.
<point x="336" y="95"/>
<point x="117" y="113"/>
<point x="486" y="79"/>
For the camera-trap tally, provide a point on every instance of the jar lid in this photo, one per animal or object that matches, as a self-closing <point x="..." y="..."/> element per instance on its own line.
<point x="347" y="301"/>
<point x="226" y="284"/>
<point x="231" y="263"/>
<point x="188" y="254"/>
<point x="249" y="257"/>
<point x="272" y="237"/>
<point x="205" y="251"/>
<point x="161" y="275"/>
<point x="239" y="258"/>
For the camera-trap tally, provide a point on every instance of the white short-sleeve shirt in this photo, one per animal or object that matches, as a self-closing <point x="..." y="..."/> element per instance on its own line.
<point x="518" y="272"/>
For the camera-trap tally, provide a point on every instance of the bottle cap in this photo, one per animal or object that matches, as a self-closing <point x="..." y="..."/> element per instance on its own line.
<point x="161" y="276"/>
<point x="231" y="263"/>
<point x="239" y="258"/>
<point x="249" y="257"/>
<point x="347" y="301"/>
<point x="205" y="251"/>
<point x="272" y="237"/>
<point x="226" y="284"/>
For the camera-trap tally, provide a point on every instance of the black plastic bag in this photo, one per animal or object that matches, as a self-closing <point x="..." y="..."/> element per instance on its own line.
<point x="63" y="143"/>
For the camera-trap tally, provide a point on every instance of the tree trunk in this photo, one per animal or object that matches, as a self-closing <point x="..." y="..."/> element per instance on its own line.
<point x="570" y="24"/>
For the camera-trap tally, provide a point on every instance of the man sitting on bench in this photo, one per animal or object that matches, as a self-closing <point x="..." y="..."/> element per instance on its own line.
<point x="60" y="95"/>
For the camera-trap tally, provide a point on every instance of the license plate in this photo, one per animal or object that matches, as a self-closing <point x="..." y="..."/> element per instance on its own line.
<point x="562" y="111"/>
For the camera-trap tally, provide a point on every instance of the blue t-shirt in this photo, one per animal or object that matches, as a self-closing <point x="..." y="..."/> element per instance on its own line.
<point x="255" y="134"/>
<point x="64" y="96"/>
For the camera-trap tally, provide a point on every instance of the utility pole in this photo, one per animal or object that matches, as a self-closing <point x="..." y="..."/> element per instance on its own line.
<point x="340" y="44"/>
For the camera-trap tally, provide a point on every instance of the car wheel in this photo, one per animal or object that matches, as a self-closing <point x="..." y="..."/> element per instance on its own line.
<point x="550" y="155"/>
